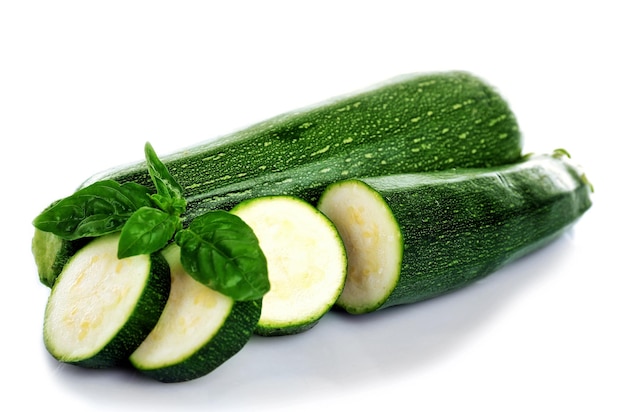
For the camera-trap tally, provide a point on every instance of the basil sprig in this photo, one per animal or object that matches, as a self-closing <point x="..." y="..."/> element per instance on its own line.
<point x="150" y="228"/>
<point x="218" y="249"/>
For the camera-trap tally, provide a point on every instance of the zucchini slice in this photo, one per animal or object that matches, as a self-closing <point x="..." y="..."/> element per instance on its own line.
<point x="412" y="237"/>
<point x="373" y="240"/>
<point x="199" y="329"/>
<point x="306" y="262"/>
<point x="101" y="308"/>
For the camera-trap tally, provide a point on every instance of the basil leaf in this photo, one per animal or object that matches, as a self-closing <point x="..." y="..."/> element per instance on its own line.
<point x="146" y="231"/>
<point x="169" y="195"/>
<point x="98" y="209"/>
<point x="221" y="251"/>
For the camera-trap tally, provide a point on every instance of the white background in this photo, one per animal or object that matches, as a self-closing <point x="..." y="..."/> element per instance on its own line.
<point x="84" y="84"/>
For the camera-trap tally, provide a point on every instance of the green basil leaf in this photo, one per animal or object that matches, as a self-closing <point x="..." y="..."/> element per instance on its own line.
<point x="98" y="209"/>
<point x="221" y="251"/>
<point x="146" y="231"/>
<point x="169" y="195"/>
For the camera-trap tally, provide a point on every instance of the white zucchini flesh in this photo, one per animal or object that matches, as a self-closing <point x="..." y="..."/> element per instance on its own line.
<point x="373" y="242"/>
<point x="100" y="301"/>
<point x="306" y="262"/>
<point x="198" y="331"/>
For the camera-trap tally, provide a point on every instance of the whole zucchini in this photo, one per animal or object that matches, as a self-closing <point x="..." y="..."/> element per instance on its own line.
<point x="413" y="123"/>
<point x="412" y="237"/>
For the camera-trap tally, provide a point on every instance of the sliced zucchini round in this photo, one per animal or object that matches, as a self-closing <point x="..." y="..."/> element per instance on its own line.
<point x="373" y="241"/>
<point x="306" y="262"/>
<point x="101" y="308"/>
<point x="199" y="329"/>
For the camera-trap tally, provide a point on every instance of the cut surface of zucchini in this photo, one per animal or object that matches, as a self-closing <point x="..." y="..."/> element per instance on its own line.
<point x="101" y="308"/>
<point x="373" y="242"/>
<point x="198" y="331"/>
<point x="306" y="262"/>
<point x="51" y="253"/>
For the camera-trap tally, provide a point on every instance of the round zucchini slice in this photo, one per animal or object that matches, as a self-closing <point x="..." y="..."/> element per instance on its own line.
<point x="199" y="329"/>
<point x="306" y="262"/>
<point x="101" y="308"/>
<point x="373" y="240"/>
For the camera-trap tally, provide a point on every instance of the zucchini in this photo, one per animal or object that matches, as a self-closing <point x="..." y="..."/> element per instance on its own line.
<point x="412" y="237"/>
<point x="101" y="308"/>
<point x="418" y="122"/>
<point x="306" y="262"/>
<point x="413" y="123"/>
<point x="198" y="331"/>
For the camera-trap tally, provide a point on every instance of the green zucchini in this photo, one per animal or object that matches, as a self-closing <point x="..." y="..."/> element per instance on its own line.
<point x="97" y="319"/>
<point x="412" y="237"/>
<point x="198" y="331"/>
<point x="419" y="122"/>
<point x="413" y="123"/>
<point x="306" y="262"/>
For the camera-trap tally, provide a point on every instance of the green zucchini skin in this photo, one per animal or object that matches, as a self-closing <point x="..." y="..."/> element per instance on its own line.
<point x="459" y="226"/>
<point x="414" y="123"/>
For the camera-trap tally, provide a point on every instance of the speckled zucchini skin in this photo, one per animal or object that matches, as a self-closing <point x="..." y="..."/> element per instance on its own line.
<point x="414" y="123"/>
